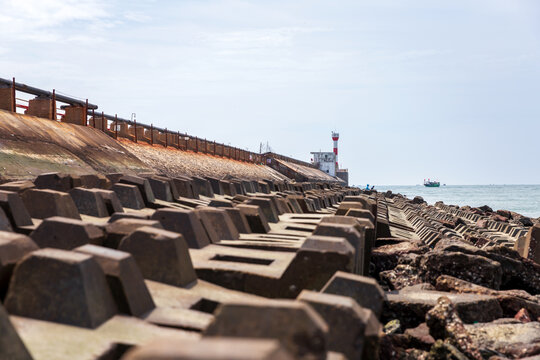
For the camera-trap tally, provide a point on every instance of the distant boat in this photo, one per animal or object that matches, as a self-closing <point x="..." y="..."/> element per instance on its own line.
<point x="430" y="183"/>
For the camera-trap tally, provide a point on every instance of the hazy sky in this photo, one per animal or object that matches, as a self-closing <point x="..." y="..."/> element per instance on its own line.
<point x="417" y="89"/>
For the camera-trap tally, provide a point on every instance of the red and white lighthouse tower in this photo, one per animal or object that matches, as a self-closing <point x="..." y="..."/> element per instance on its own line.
<point x="335" y="137"/>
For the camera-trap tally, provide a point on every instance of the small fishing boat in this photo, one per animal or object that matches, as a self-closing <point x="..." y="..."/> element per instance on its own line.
<point x="431" y="183"/>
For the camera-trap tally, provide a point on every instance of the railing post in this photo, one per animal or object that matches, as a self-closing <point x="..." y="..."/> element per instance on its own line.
<point x="166" y="138"/>
<point x="103" y="122"/>
<point x="196" y="144"/>
<point x="94" y="118"/>
<point x="53" y="112"/>
<point x="85" y="117"/>
<point x="187" y="141"/>
<point x="135" y="125"/>
<point x="214" y="148"/>
<point x="116" y="126"/>
<point x="13" y="99"/>
<point x="151" y="134"/>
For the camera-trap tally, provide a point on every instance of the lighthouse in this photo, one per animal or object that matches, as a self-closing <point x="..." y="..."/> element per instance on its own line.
<point x="335" y="137"/>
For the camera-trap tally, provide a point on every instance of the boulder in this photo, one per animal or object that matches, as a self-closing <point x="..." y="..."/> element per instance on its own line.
<point x="444" y="323"/>
<point x="410" y="307"/>
<point x="474" y="268"/>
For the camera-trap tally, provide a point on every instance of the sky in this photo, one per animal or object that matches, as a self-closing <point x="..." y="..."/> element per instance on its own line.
<point x="448" y="90"/>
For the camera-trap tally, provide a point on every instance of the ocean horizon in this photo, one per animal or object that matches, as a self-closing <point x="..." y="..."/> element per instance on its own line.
<point x="523" y="199"/>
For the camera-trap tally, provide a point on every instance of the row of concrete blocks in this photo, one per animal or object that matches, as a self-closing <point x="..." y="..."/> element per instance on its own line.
<point x="512" y="230"/>
<point x="94" y="307"/>
<point x="136" y="193"/>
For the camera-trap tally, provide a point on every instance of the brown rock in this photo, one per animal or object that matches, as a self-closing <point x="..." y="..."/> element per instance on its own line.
<point x="444" y="323"/>
<point x="523" y="316"/>
<point x="474" y="268"/>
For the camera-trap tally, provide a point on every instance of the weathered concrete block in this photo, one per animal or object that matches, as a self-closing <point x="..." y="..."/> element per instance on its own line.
<point x="228" y="188"/>
<point x="42" y="204"/>
<point x="352" y="330"/>
<point x="255" y="218"/>
<point x="363" y="226"/>
<point x="60" y="286"/>
<point x="17" y="186"/>
<point x="203" y="186"/>
<point x="64" y="233"/>
<point x="186" y="188"/>
<point x="239" y="220"/>
<point x="124" y="278"/>
<point x="120" y="228"/>
<point x="143" y="185"/>
<point x="161" y="188"/>
<point x="365" y="291"/>
<point x="210" y="348"/>
<point x="89" y="202"/>
<point x="14" y="208"/>
<point x="12" y="248"/>
<point x="267" y="207"/>
<point x="184" y="222"/>
<point x="221" y="203"/>
<point x="168" y="262"/>
<point x="54" y="181"/>
<point x="216" y="185"/>
<point x="299" y="328"/>
<point x="11" y="345"/>
<point x="217" y="223"/>
<point x="5" y="224"/>
<point x="127" y="215"/>
<point x="529" y="246"/>
<point x="112" y="202"/>
<point x="129" y="196"/>
<point x="349" y="232"/>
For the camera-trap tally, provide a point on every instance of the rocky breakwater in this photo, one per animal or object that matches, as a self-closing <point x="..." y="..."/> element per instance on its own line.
<point x="460" y="289"/>
<point x="148" y="266"/>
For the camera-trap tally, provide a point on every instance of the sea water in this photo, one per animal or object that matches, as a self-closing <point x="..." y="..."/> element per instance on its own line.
<point x="523" y="199"/>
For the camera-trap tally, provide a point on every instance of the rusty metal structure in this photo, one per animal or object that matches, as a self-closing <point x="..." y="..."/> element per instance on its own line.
<point x="83" y="113"/>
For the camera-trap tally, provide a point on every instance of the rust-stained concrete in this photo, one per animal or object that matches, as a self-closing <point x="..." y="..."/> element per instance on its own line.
<point x="30" y="146"/>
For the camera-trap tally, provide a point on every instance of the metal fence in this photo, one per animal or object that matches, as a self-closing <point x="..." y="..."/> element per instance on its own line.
<point x="86" y="114"/>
